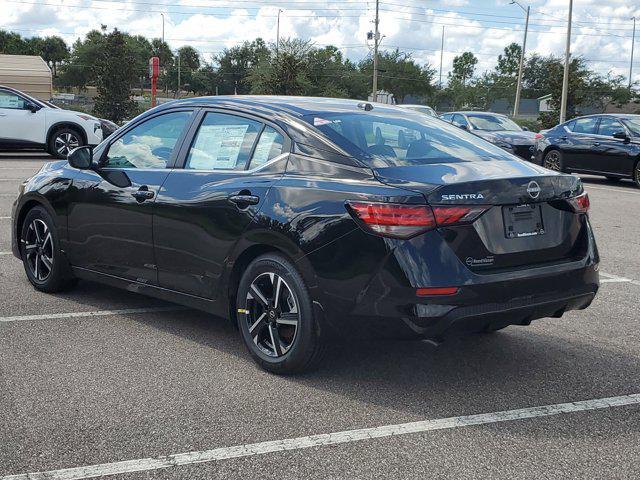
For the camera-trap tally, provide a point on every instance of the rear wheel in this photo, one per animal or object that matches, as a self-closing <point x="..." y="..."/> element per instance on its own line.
<point x="276" y="317"/>
<point x="553" y="160"/>
<point x="63" y="141"/>
<point x="44" y="264"/>
<point x="636" y="174"/>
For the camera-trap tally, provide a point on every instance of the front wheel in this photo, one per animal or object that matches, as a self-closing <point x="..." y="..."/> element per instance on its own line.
<point x="636" y="175"/>
<point x="63" y="141"/>
<point x="44" y="263"/>
<point x="553" y="161"/>
<point x="276" y="317"/>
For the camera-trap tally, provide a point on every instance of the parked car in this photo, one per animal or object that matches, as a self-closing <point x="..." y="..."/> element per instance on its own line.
<point x="420" y="108"/>
<point x="108" y="127"/>
<point x="292" y="217"/>
<point x="26" y="122"/>
<point x="497" y="129"/>
<point x="606" y="144"/>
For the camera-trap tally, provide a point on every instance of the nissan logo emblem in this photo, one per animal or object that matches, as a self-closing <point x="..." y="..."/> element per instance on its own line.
<point x="533" y="189"/>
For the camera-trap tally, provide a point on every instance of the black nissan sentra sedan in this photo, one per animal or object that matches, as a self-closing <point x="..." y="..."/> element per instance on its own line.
<point x="607" y="144"/>
<point x="302" y="217"/>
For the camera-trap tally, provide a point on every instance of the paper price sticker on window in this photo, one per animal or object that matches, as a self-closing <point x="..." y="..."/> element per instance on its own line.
<point x="318" y="122"/>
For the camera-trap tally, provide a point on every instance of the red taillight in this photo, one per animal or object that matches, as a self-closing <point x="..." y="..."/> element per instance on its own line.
<point x="538" y="136"/>
<point x="581" y="203"/>
<point x="405" y="221"/>
<point x="447" y="215"/>
<point x="423" y="292"/>
<point x="394" y="220"/>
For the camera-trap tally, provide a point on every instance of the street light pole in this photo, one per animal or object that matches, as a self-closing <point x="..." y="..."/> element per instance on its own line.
<point x="278" y="33"/>
<point x="633" y="41"/>
<point x="516" y="106"/>
<point x="376" y="40"/>
<point x="441" y="55"/>
<point x="565" y="80"/>
<point x="162" y="14"/>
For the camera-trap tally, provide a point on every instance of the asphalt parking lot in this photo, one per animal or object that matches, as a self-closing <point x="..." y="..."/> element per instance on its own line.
<point x="100" y="381"/>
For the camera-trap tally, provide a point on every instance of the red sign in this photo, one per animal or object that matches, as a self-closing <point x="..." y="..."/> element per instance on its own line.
<point x="154" y="67"/>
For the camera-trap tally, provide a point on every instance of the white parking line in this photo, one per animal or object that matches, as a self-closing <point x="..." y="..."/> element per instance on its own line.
<point x="5" y="218"/>
<point x="95" y="313"/>
<point x="609" y="278"/>
<point x="348" y="436"/>
<point x="6" y="253"/>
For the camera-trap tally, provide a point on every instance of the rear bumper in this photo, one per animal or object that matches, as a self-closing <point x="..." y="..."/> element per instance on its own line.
<point x="477" y="308"/>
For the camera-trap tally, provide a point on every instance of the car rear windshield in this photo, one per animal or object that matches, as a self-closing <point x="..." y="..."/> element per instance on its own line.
<point x="633" y="125"/>
<point x="492" y="123"/>
<point x="403" y="139"/>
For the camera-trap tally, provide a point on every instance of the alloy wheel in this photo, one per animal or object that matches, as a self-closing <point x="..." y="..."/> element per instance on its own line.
<point x="552" y="161"/>
<point x="38" y="247"/>
<point x="272" y="314"/>
<point x="65" y="142"/>
<point x="637" y="174"/>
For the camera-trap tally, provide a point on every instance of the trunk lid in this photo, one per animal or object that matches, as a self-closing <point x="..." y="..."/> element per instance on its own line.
<point x="482" y="182"/>
<point x="527" y="221"/>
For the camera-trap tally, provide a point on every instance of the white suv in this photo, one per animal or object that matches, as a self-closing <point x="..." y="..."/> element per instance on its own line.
<point x="29" y="123"/>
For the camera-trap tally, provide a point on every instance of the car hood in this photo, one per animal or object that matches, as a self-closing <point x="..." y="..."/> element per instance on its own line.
<point x="511" y="137"/>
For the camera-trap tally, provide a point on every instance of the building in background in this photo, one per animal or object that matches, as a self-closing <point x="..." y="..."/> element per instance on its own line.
<point x="27" y="73"/>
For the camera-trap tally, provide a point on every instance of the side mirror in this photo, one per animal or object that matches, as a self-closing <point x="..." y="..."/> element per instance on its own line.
<point x="81" y="158"/>
<point x="621" y="136"/>
<point x="463" y="127"/>
<point x="526" y="129"/>
<point x="32" y="107"/>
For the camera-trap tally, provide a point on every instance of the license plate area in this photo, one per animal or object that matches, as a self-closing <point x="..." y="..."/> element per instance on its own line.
<point x="522" y="221"/>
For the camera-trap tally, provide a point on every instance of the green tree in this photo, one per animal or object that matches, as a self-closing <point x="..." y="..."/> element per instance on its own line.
<point x="286" y="73"/>
<point x="464" y="67"/>
<point x="113" y="79"/>
<point x="54" y="51"/>
<point x="234" y="65"/>
<point x="400" y="75"/>
<point x="509" y="61"/>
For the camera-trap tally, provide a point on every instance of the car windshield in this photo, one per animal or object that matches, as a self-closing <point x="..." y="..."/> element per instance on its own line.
<point x="493" y="123"/>
<point x="633" y="124"/>
<point x="402" y="139"/>
<point x="427" y="110"/>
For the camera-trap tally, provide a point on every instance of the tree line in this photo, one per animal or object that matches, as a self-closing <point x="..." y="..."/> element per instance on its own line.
<point x="116" y="63"/>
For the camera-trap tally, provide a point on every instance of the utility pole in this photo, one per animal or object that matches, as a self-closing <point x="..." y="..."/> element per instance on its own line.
<point x="178" y="73"/>
<point x="516" y="107"/>
<point x="376" y="41"/>
<point x="633" y="41"/>
<point x="441" y="55"/>
<point x="567" y="58"/>
<point x="278" y="33"/>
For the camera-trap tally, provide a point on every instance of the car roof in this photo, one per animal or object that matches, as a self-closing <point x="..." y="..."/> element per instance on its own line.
<point x="475" y="112"/>
<point x="292" y="105"/>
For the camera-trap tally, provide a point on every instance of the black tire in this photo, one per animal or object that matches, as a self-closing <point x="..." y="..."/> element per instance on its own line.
<point x="297" y="345"/>
<point x="63" y="140"/>
<point x="636" y="174"/>
<point x="46" y="267"/>
<point x="553" y="161"/>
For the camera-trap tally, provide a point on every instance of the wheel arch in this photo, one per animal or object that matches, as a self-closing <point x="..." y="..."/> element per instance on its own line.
<point x="66" y="124"/>
<point x="249" y="253"/>
<point x="24" y="209"/>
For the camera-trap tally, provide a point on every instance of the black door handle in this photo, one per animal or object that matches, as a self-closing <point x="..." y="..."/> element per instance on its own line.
<point x="244" y="201"/>
<point x="596" y="144"/>
<point x="142" y="194"/>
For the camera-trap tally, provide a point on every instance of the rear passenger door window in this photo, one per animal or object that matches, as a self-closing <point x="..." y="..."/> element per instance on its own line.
<point x="224" y="142"/>
<point x="269" y="146"/>
<point x="585" y="125"/>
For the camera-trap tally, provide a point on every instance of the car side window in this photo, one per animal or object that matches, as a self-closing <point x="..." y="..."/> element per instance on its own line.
<point x="269" y="146"/>
<point x="223" y="142"/>
<point x="11" y="101"/>
<point x="148" y="145"/>
<point x="570" y="126"/>
<point x="585" y="125"/>
<point x="609" y="126"/>
<point x="446" y="117"/>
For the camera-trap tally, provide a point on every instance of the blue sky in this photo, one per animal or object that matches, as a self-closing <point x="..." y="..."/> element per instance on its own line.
<point x="602" y="29"/>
